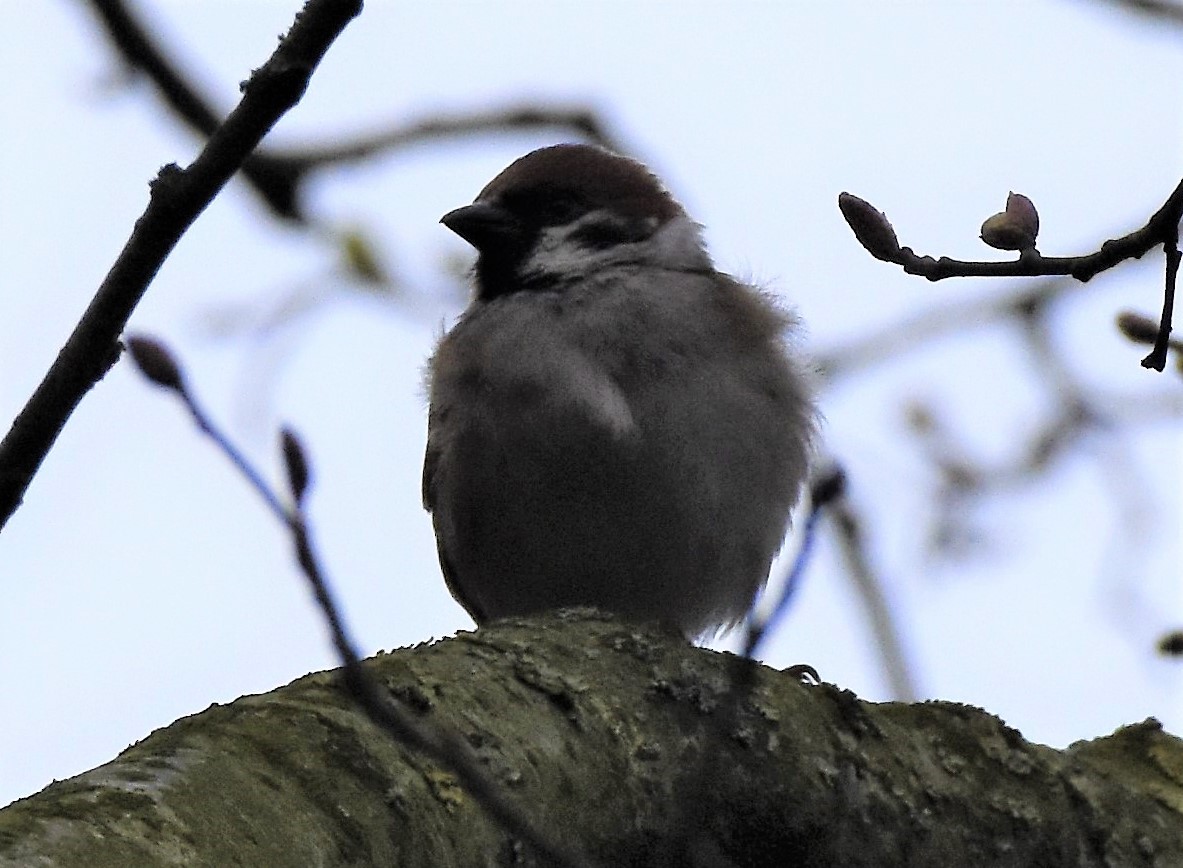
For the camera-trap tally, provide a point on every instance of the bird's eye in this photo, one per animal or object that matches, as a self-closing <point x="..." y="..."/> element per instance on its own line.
<point x="612" y="230"/>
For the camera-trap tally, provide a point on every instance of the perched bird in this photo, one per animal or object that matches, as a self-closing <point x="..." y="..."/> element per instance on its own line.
<point x="613" y="422"/>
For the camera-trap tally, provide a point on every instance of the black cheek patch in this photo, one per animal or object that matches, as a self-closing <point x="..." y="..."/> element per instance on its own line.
<point x="601" y="234"/>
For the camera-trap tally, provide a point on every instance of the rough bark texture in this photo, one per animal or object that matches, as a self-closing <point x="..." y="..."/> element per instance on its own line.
<point x="624" y="742"/>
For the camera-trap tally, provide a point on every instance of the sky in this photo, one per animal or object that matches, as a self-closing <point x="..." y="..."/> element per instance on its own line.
<point x="142" y="581"/>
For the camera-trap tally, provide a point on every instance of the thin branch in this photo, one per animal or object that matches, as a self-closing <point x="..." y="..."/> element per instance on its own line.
<point x="871" y="227"/>
<point x="275" y="177"/>
<point x="1157" y="359"/>
<point x="178" y="196"/>
<point x="848" y="528"/>
<point x="451" y="751"/>
<point x="142" y="54"/>
<point x="277" y="174"/>
<point x="827" y="486"/>
<point x="443" y="746"/>
<point x="1162" y="10"/>
<point x="1016" y="229"/>
<point x="585" y="122"/>
<point x="941" y="319"/>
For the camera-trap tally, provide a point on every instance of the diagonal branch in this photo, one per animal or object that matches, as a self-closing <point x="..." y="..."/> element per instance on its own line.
<point x="143" y="55"/>
<point x="178" y="196"/>
<point x="443" y="745"/>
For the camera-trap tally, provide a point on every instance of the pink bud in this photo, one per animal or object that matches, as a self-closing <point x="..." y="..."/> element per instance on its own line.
<point x="1016" y="228"/>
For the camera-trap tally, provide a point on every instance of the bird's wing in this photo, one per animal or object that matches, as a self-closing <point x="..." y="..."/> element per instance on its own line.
<point x="431" y="459"/>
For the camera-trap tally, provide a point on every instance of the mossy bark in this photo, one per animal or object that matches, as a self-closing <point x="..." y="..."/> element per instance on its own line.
<point x="629" y="746"/>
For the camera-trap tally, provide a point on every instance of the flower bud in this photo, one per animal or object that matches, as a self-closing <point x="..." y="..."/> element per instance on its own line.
<point x="1171" y="645"/>
<point x="156" y="362"/>
<point x="871" y="227"/>
<point x="296" y="463"/>
<point x="1139" y="329"/>
<point x="828" y="486"/>
<point x="361" y="259"/>
<point x="1015" y="228"/>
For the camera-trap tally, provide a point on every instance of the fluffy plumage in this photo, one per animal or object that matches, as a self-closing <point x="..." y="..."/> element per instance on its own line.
<point x="613" y="422"/>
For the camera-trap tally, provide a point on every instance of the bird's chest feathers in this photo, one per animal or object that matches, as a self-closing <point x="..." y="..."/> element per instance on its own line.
<point x="555" y="365"/>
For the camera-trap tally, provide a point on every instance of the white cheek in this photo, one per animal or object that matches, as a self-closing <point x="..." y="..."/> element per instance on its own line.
<point x="556" y="253"/>
<point x="676" y="245"/>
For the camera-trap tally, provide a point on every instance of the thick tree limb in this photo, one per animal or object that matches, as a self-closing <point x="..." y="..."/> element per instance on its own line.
<point x="595" y="727"/>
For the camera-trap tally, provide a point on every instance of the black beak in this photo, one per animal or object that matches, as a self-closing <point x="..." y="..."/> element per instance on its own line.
<point x="484" y="226"/>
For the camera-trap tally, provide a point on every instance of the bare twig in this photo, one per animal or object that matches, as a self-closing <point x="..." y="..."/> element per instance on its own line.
<point x="584" y="122"/>
<point x="1030" y="263"/>
<point x="445" y="747"/>
<point x="142" y="54"/>
<point x="1078" y="415"/>
<point x="876" y="234"/>
<point x="1162" y="10"/>
<point x="827" y="486"/>
<point x="939" y="320"/>
<point x="1157" y="358"/>
<point x="178" y="196"/>
<point x="274" y="177"/>
<point x="848" y="528"/>
<point x="277" y="175"/>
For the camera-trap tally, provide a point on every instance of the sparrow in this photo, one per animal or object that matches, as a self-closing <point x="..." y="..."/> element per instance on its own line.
<point x="613" y="422"/>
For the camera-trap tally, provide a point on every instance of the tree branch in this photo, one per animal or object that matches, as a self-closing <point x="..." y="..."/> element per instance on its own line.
<point x="596" y="727"/>
<point x="178" y="196"/>
<point x="1015" y="229"/>
<point x="159" y="365"/>
<point x="274" y="177"/>
<point x="876" y="234"/>
<point x="584" y="121"/>
<point x="1160" y="10"/>
<point x="277" y="175"/>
